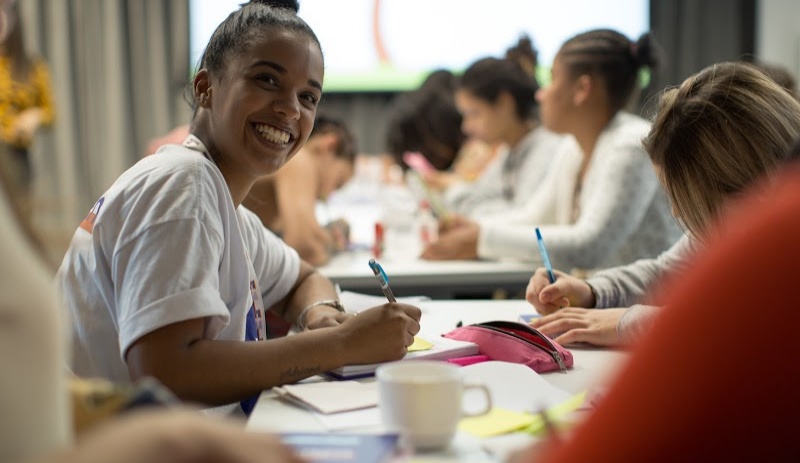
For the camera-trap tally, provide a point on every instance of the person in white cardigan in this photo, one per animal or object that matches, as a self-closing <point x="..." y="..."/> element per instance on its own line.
<point x="743" y="139"/>
<point x="496" y="99"/>
<point x="600" y="204"/>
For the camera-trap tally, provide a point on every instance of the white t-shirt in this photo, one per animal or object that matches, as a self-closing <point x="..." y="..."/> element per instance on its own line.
<point x="164" y="244"/>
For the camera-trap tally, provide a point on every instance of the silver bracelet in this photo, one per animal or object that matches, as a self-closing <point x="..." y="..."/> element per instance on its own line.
<point x="329" y="302"/>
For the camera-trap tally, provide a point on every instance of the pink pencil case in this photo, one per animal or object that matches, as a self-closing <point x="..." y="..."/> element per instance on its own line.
<point x="464" y="361"/>
<point x="517" y="343"/>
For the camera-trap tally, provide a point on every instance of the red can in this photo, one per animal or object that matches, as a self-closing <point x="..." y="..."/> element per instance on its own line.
<point x="377" y="247"/>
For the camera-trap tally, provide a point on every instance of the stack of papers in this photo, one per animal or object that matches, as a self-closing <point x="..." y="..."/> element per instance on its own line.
<point x="331" y="397"/>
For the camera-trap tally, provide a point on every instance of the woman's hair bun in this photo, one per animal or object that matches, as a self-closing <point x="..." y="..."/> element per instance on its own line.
<point x="647" y="52"/>
<point x="290" y="4"/>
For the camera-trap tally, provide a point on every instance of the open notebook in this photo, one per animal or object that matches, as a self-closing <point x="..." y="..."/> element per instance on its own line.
<point x="441" y="349"/>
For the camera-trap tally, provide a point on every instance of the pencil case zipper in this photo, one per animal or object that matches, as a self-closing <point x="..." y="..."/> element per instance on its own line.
<point x="506" y="327"/>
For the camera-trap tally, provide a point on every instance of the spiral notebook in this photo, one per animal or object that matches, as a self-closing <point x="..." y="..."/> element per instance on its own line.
<point x="441" y="349"/>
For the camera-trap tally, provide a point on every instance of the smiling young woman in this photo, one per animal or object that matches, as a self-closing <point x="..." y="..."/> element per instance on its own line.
<point x="167" y="276"/>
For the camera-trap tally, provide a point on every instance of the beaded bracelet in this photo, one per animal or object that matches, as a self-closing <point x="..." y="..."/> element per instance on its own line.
<point x="329" y="302"/>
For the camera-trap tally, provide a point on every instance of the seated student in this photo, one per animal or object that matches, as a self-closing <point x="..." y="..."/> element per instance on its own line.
<point x="714" y="380"/>
<point x="426" y="121"/>
<point x="34" y="406"/>
<point x="285" y="201"/>
<point x="33" y="393"/>
<point x="496" y="100"/>
<point x="600" y="204"/>
<point x="167" y="276"/>
<point x="723" y="129"/>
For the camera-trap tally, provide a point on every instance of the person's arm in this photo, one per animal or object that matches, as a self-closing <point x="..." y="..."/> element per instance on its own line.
<point x="615" y="287"/>
<point x="296" y="195"/>
<point x="622" y="191"/>
<point x="173" y="436"/>
<point x="626" y="285"/>
<point x="34" y="407"/>
<point x="220" y="372"/>
<point x="184" y="354"/>
<point x="471" y="239"/>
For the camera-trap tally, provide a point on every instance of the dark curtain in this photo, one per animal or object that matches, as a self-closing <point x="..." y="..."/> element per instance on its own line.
<point x="697" y="33"/>
<point x="118" y="69"/>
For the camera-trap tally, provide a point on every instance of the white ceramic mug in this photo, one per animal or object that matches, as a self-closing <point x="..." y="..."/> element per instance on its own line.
<point x="422" y="401"/>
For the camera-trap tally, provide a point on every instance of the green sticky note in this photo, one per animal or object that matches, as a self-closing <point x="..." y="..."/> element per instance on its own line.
<point x="556" y="413"/>
<point x="498" y="421"/>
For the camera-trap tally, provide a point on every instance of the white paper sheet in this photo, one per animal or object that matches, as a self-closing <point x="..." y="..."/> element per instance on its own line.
<point x="366" y="418"/>
<point x="513" y="386"/>
<point x="331" y="397"/>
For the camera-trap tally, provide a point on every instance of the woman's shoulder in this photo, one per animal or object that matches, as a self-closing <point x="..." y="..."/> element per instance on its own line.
<point x="171" y="186"/>
<point x="175" y="167"/>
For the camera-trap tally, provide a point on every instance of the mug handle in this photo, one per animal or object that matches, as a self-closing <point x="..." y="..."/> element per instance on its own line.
<point x="486" y="394"/>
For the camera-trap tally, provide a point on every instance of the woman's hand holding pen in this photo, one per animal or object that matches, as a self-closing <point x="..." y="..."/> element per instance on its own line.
<point x="380" y="334"/>
<point x="567" y="291"/>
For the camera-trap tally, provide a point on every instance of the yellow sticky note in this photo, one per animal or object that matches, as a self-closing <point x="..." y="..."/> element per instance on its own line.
<point x="497" y="421"/>
<point x="420" y="344"/>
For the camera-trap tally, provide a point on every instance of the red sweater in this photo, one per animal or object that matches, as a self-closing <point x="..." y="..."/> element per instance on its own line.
<point x="718" y="378"/>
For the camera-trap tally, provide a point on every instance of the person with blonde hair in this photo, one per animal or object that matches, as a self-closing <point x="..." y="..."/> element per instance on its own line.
<point x="714" y="380"/>
<point x="714" y="136"/>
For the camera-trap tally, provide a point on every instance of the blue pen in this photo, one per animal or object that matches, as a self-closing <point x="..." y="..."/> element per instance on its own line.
<point x="382" y="279"/>
<point x="545" y="259"/>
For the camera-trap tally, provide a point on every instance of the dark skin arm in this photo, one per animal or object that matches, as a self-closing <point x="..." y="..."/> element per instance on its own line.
<point x="220" y="372"/>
